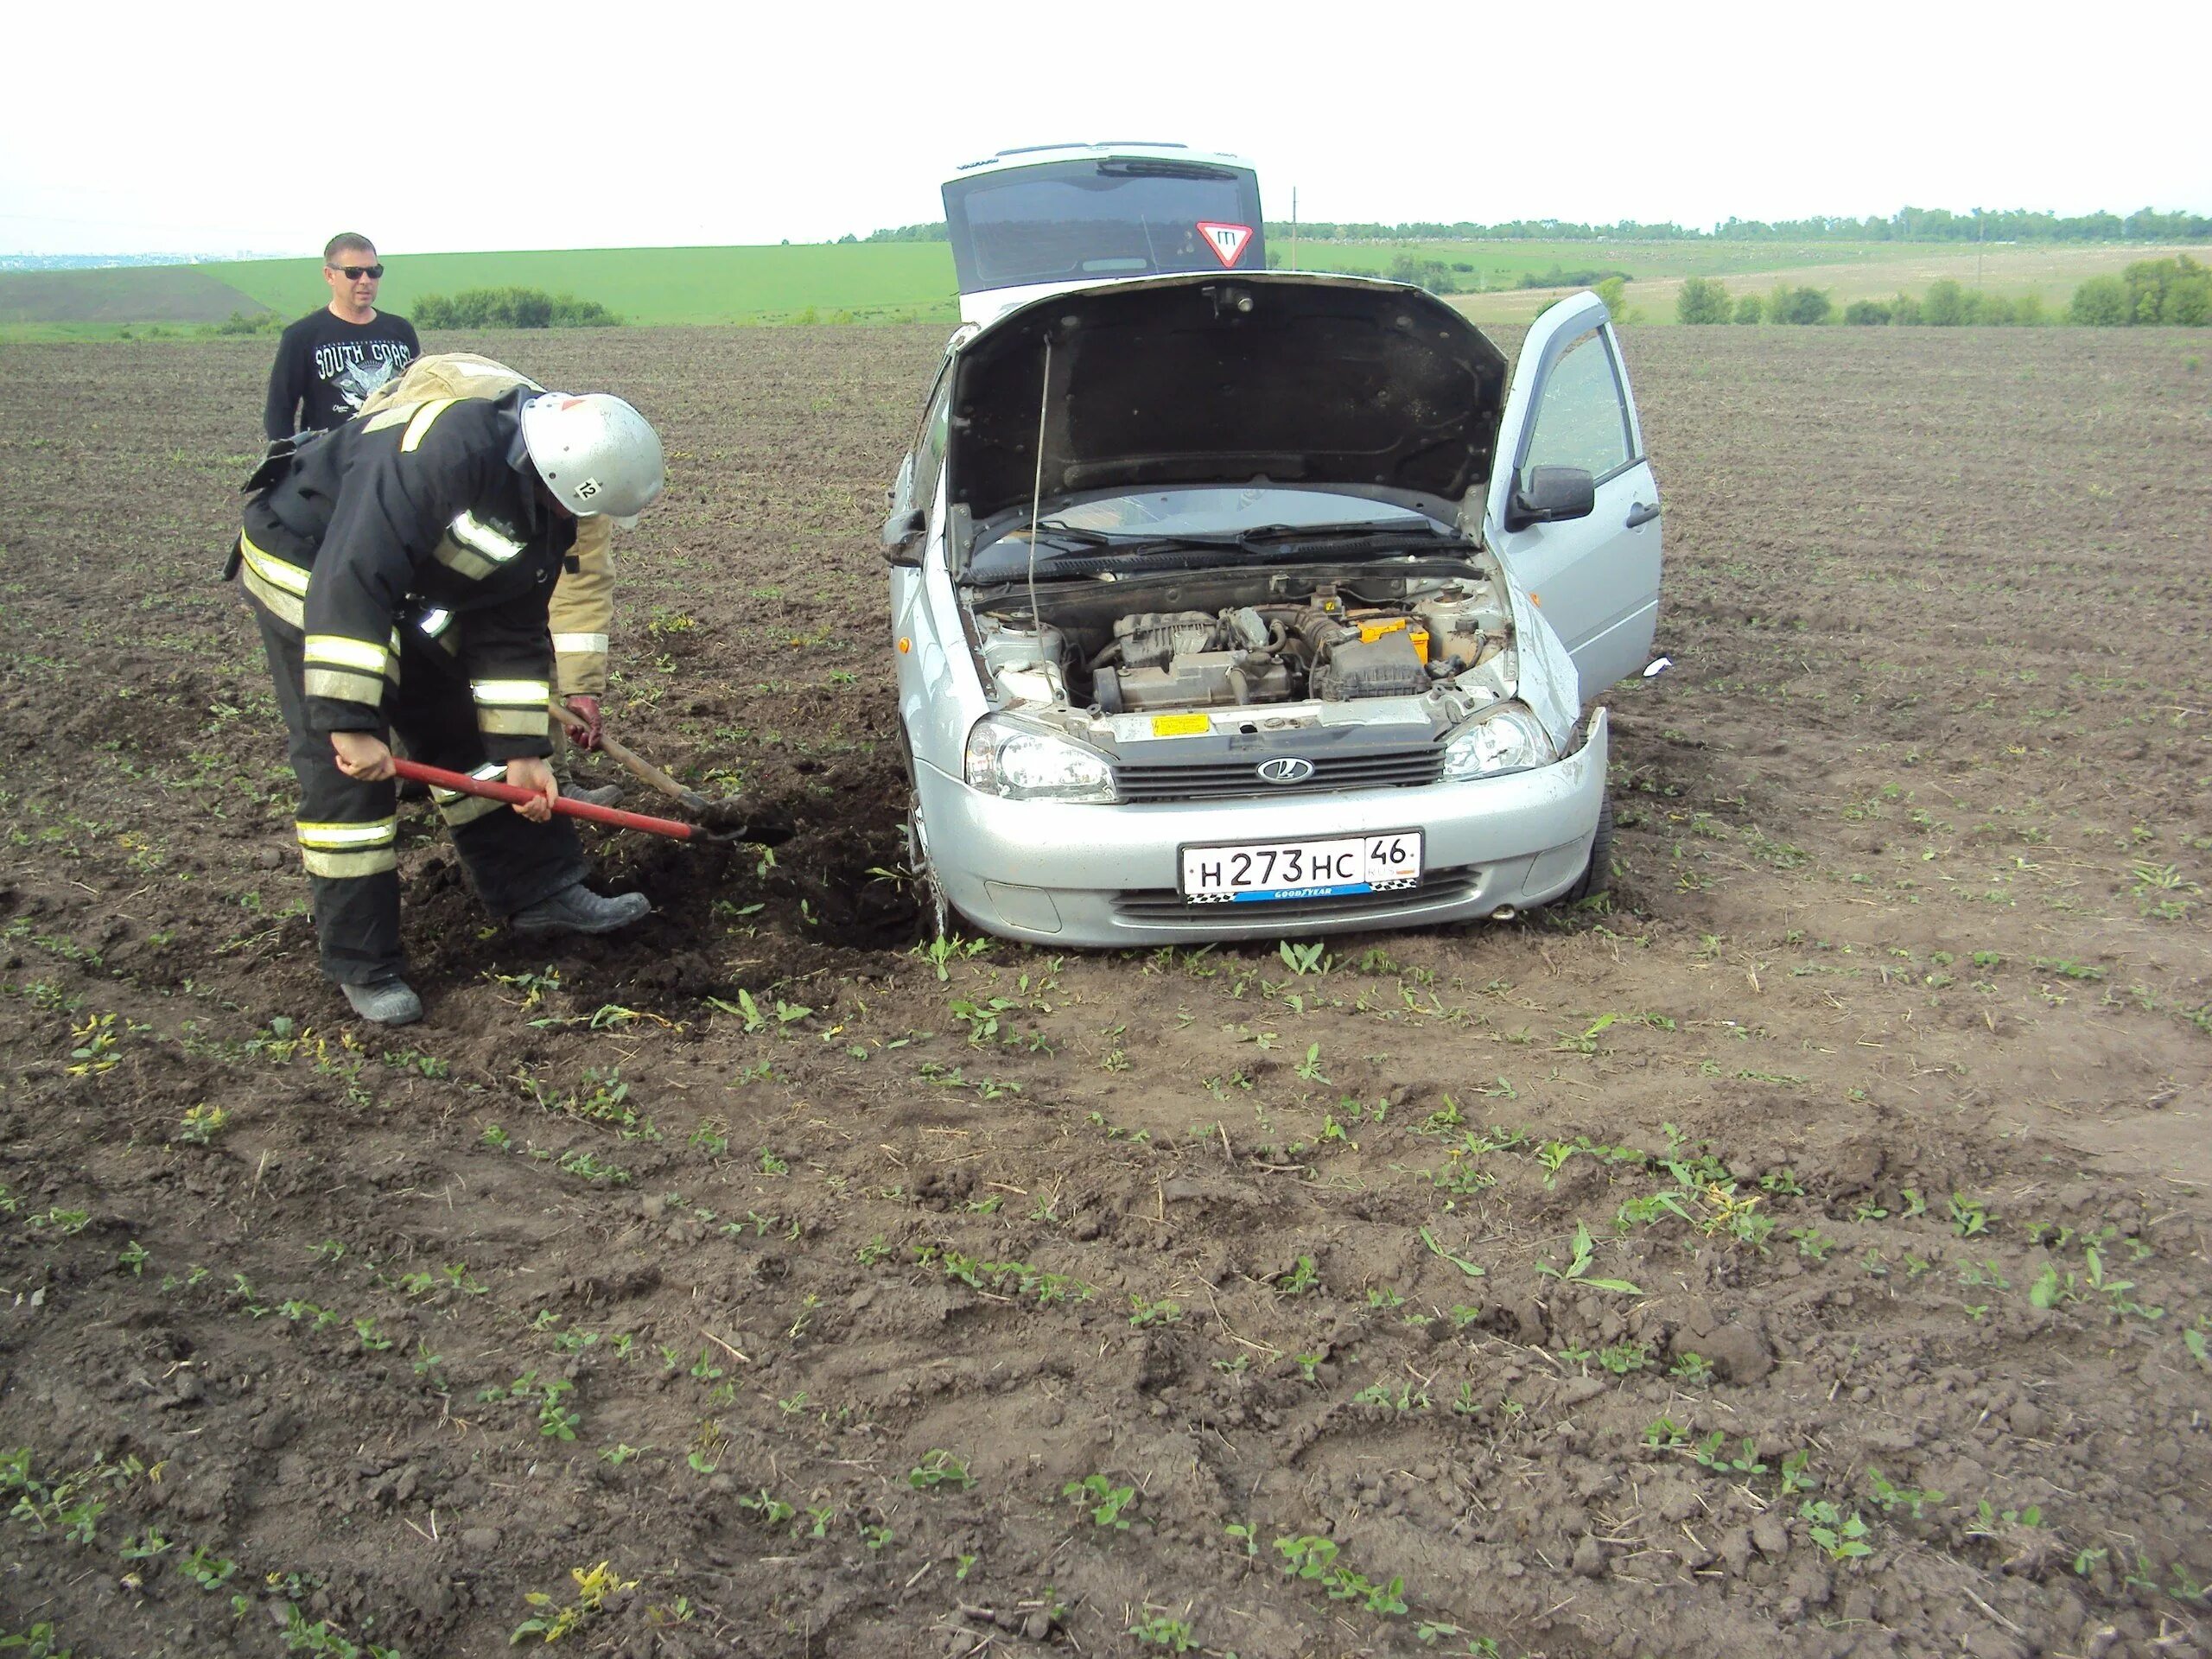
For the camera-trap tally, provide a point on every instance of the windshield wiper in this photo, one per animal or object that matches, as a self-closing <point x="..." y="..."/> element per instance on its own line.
<point x="1057" y="548"/>
<point x="1271" y="535"/>
<point x="1068" y="537"/>
<point x="1052" y="533"/>
<point x="1162" y="169"/>
<point x="1060" y="545"/>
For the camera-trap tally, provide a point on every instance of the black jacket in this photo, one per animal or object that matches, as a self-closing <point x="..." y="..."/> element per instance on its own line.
<point x="424" y="516"/>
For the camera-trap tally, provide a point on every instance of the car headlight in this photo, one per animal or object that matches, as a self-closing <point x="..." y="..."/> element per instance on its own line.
<point x="1021" y="765"/>
<point x="1509" y="738"/>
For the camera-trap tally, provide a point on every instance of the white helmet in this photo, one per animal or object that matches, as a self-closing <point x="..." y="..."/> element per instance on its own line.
<point x="595" y="453"/>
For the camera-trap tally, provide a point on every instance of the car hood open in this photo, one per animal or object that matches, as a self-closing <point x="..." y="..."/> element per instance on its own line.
<point x="1364" y="387"/>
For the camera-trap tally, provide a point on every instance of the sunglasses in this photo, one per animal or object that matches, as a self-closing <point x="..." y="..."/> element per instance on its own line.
<point x="354" y="273"/>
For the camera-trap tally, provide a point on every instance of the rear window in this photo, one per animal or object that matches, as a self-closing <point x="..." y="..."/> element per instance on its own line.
<point x="1084" y="221"/>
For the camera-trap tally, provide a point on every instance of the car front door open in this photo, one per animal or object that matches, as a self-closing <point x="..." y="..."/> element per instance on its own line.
<point x="1596" y="578"/>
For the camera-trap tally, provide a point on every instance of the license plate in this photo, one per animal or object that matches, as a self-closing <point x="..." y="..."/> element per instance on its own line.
<point x="1256" y="873"/>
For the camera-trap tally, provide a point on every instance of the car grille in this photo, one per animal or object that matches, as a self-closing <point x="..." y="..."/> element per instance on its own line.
<point x="1215" y="780"/>
<point x="1154" y="906"/>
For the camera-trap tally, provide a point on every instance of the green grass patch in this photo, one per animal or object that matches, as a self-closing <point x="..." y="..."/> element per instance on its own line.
<point x="909" y="282"/>
<point x="884" y="282"/>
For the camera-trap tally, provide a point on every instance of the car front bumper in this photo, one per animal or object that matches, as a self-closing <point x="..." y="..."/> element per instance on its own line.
<point x="1053" y="872"/>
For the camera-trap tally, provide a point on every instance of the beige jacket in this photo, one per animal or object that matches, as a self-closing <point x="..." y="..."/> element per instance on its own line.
<point x="583" y="612"/>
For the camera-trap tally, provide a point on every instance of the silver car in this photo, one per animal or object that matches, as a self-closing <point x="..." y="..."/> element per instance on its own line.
<point x="1255" y="604"/>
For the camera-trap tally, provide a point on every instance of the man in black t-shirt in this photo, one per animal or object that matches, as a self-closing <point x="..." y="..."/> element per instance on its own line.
<point x="330" y="359"/>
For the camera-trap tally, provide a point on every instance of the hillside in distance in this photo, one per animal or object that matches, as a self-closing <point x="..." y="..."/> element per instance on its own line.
<point x="1499" y="280"/>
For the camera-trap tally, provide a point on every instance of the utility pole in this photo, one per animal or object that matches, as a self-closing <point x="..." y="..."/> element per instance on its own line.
<point x="1977" y="247"/>
<point x="1293" y="227"/>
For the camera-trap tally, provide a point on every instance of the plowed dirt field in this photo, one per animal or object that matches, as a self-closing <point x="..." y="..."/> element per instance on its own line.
<point x="1806" y="1256"/>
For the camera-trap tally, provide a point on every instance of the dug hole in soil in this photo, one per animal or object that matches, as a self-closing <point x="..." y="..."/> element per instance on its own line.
<point x="1804" y="1255"/>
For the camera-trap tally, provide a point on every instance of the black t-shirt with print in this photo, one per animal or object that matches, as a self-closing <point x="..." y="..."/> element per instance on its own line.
<point x="332" y="365"/>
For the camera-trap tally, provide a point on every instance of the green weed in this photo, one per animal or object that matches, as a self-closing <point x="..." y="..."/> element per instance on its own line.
<point x="1314" y="1559"/>
<point x="1577" y="1270"/>
<point x="1843" y="1537"/>
<point x="1105" y="1500"/>
<point x="1713" y="1454"/>
<point x="1160" y="1631"/>
<point x="1143" y="1314"/>
<point x="552" y="1622"/>
<point x="201" y="1124"/>
<point x="1893" y="1497"/>
<point x="939" y="1468"/>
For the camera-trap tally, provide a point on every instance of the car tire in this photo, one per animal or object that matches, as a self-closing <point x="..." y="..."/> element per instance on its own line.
<point x="936" y="912"/>
<point x="1598" y="876"/>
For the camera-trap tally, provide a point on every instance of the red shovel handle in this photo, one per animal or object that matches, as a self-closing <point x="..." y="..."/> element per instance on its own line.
<point x="499" y="792"/>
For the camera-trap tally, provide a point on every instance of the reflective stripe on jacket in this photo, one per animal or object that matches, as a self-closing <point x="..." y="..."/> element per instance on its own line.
<point x="423" y="506"/>
<point x="583" y="611"/>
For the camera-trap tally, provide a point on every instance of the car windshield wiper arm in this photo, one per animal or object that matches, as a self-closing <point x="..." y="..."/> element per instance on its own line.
<point x="1051" y="534"/>
<point x="1163" y="169"/>
<point x="1069" y="537"/>
<point x="1060" y="534"/>
<point x="1058" y="539"/>
<point x="1268" y="535"/>
<point x="1058" y="544"/>
<point x="1057" y="547"/>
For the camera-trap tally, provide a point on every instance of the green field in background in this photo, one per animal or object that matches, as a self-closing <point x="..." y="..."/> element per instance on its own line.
<point x="889" y="281"/>
<point x="2049" y="270"/>
<point x="868" y="282"/>
<point x="1502" y="264"/>
<point x="899" y="282"/>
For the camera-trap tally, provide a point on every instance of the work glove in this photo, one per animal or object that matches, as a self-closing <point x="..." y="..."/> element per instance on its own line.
<point x="586" y="709"/>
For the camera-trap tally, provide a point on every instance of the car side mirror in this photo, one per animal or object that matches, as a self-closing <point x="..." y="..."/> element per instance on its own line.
<point x="902" y="539"/>
<point x="1551" y="495"/>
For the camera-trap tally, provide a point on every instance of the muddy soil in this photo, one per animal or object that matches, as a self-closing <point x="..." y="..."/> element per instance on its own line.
<point x="1805" y="1257"/>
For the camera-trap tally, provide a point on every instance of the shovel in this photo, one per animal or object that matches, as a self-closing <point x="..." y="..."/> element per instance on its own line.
<point x="639" y="767"/>
<point x="492" y="791"/>
<point x="750" y="822"/>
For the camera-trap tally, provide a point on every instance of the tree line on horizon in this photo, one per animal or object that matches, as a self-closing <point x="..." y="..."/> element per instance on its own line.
<point x="1906" y="225"/>
<point x="2173" y="292"/>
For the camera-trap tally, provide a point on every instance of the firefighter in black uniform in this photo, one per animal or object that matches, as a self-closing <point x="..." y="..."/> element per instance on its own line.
<point x="400" y="566"/>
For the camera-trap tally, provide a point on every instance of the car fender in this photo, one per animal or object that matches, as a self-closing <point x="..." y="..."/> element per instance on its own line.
<point x="939" y="697"/>
<point x="1549" y="682"/>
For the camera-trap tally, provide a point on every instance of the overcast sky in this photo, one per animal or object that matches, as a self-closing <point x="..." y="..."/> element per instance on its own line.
<point x="228" y="127"/>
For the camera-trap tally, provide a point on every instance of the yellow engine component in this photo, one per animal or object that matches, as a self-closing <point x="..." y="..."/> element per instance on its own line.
<point x="1371" y="631"/>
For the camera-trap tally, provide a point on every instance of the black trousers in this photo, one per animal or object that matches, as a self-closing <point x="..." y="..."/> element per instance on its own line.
<point x="348" y="829"/>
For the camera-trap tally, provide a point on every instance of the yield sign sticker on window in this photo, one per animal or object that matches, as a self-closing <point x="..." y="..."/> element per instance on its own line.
<point x="1227" y="241"/>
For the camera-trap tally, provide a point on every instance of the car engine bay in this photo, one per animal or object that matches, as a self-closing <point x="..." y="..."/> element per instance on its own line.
<point x="1233" y="639"/>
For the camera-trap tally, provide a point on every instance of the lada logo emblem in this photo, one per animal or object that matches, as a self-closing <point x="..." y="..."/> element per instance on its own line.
<point x="1286" y="770"/>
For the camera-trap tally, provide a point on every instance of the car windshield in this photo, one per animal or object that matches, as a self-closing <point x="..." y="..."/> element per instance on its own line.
<point x="1227" y="512"/>
<point x="1072" y="221"/>
<point x="1205" y="527"/>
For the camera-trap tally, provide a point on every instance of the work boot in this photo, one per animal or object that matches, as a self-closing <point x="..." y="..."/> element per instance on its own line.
<point x="387" y="1002"/>
<point x="577" y="909"/>
<point x="606" y="795"/>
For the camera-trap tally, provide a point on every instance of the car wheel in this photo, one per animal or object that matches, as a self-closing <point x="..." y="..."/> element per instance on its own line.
<point x="936" y="912"/>
<point x="1598" y="876"/>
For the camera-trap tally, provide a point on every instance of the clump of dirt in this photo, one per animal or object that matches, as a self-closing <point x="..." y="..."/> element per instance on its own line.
<point x="765" y="823"/>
